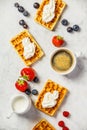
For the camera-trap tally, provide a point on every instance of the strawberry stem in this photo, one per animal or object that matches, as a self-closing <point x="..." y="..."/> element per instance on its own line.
<point x="25" y="77"/>
<point x="59" y="37"/>
<point x="20" y="81"/>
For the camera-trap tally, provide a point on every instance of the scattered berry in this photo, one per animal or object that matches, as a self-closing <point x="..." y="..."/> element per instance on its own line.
<point x="25" y="26"/>
<point x="66" y="113"/>
<point x="16" y="5"/>
<point x="34" y="92"/>
<point x="36" y="80"/>
<point x="57" y="41"/>
<point x="36" y="5"/>
<point x="69" y="29"/>
<point x="21" y="9"/>
<point x="22" y="22"/>
<point x="61" y="123"/>
<point x="28" y="92"/>
<point x="25" y="13"/>
<point x="76" y="28"/>
<point x="65" y="22"/>
<point x="21" y="85"/>
<point x="65" y="128"/>
<point x="28" y="73"/>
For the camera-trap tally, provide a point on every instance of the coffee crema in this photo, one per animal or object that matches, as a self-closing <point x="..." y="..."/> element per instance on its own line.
<point x="62" y="60"/>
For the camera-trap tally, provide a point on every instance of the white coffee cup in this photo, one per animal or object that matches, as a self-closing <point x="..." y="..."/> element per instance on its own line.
<point x="21" y="103"/>
<point x="72" y="55"/>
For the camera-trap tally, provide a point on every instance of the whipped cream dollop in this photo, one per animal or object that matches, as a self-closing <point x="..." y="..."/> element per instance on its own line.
<point x="29" y="48"/>
<point x="49" y="11"/>
<point x="49" y="99"/>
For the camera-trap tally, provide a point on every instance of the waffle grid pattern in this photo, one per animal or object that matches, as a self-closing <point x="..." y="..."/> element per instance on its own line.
<point x="17" y="44"/>
<point x="43" y="125"/>
<point x="59" y="7"/>
<point x="50" y="86"/>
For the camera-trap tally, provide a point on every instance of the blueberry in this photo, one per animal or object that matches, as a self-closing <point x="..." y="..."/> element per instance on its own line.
<point x="25" y="13"/>
<point x="20" y="9"/>
<point x="36" y="5"/>
<point x="36" y="80"/>
<point x="34" y="92"/>
<point x="28" y="92"/>
<point x="65" y="22"/>
<point x="69" y="29"/>
<point x="25" y="26"/>
<point x="16" y="5"/>
<point x="76" y="28"/>
<point x="22" y="22"/>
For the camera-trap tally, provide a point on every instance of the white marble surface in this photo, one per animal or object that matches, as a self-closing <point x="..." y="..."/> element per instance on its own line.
<point x="11" y="64"/>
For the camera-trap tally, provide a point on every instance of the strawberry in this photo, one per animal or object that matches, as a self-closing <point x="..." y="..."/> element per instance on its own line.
<point x="28" y="74"/>
<point x="21" y="85"/>
<point x="66" y="113"/>
<point x="57" y="41"/>
<point x="61" y="123"/>
<point x="65" y="128"/>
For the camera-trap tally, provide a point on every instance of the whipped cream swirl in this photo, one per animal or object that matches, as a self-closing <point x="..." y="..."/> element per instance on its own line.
<point x="49" y="11"/>
<point x="29" y="48"/>
<point x="49" y="99"/>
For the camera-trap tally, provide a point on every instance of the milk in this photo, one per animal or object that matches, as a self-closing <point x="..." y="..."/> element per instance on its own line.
<point x="21" y="104"/>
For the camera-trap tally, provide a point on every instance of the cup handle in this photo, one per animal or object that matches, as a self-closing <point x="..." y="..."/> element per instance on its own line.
<point x="10" y="115"/>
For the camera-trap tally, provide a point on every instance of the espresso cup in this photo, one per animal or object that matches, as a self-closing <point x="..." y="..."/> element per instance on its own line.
<point x="63" y="61"/>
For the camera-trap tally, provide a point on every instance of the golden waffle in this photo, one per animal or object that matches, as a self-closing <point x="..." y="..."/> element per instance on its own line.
<point x="50" y="86"/>
<point x="17" y="44"/>
<point x="43" y="125"/>
<point x="59" y="7"/>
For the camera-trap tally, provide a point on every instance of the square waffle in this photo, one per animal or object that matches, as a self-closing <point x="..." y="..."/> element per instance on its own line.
<point x="17" y="44"/>
<point x="43" y="125"/>
<point x="50" y="86"/>
<point x="59" y="7"/>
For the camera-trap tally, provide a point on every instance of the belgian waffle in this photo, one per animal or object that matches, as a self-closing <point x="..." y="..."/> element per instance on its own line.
<point x="17" y="44"/>
<point x="43" y="125"/>
<point x="50" y="86"/>
<point x="59" y="7"/>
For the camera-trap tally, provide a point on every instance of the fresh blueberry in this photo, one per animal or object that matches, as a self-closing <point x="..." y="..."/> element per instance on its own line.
<point x="16" y="5"/>
<point x="22" y="22"/>
<point x="25" y="13"/>
<point x="25" y="26"/>
<point x="21" y="9"/>
<point x="76" y="28"/>
<point x="36" y="5"/>
<point x="36" y="80"/>
<point x="65" y="22"/>
<point x="28" y="92"/>
<point x="69" y="29"/>
<point x="34" y="92"/>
